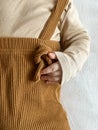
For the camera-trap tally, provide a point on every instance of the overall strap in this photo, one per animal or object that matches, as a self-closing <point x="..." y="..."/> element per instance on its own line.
<point x="53" y="19"/>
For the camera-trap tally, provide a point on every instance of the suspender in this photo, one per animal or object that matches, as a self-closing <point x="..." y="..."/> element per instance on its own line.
<point x="53" y="19"/>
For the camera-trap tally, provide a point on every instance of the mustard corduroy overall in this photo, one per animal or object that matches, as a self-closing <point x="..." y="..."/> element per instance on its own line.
<point x="26" y="102"/>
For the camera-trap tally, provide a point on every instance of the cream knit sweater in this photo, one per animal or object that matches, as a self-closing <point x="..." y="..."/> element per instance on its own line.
<point x="22" y="18"/>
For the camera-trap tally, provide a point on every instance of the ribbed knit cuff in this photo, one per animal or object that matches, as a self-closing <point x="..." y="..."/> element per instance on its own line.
<point x="64" y="65"/>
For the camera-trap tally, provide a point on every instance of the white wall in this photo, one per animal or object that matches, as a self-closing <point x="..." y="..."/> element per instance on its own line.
<point x="80" y="95"/>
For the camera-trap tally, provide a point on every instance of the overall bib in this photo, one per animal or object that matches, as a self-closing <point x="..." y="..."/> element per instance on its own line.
<point x="26" y="102"/>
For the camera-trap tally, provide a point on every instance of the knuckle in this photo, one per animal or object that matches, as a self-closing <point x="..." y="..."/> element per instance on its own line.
<point x="58" y="78"/>
<point x="54" y="78"/>
<point x="53" y="74"/>
<point x="52" y="69"/>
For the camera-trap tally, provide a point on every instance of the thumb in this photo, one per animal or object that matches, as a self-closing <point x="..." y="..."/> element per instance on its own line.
<point x="52" y="55"/>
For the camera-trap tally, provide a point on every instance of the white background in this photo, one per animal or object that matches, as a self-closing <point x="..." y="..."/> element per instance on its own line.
<point x="79" y="96"/>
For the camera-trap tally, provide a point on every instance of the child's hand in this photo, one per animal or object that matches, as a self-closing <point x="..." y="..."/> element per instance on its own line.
<point x="52" y="73"/>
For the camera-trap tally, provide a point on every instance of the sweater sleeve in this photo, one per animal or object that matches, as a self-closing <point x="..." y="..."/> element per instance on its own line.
<point x="75" y="44"/>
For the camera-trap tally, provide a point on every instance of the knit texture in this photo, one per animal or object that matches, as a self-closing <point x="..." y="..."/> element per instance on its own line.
<point x="26" y="102"/>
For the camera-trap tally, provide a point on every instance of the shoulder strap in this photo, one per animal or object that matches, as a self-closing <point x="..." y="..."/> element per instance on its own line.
<point x="52" y="21"/>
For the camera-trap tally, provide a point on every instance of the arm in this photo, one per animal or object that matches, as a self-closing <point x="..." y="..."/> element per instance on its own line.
<point x="75" y="44"/>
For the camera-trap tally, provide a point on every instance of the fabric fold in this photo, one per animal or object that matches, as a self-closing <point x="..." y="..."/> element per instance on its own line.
<point x="41" y="60"/>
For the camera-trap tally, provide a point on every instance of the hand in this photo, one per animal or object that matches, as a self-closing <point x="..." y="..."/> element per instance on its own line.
<point x="52" y="73"/>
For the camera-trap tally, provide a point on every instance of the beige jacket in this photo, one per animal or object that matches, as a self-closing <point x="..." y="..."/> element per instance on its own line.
<point x="22" y="18"/>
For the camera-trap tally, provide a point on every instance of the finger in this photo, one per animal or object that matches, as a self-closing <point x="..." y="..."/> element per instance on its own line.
<point x="56" y="73"/>
<point x="49" y="78"/>
<point x="51" y="68"/>
<point x="52" y="55"/>
<point x="48" y="82"/>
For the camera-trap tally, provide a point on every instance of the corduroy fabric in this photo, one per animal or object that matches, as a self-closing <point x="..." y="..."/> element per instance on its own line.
<point x="26" y="102"/>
